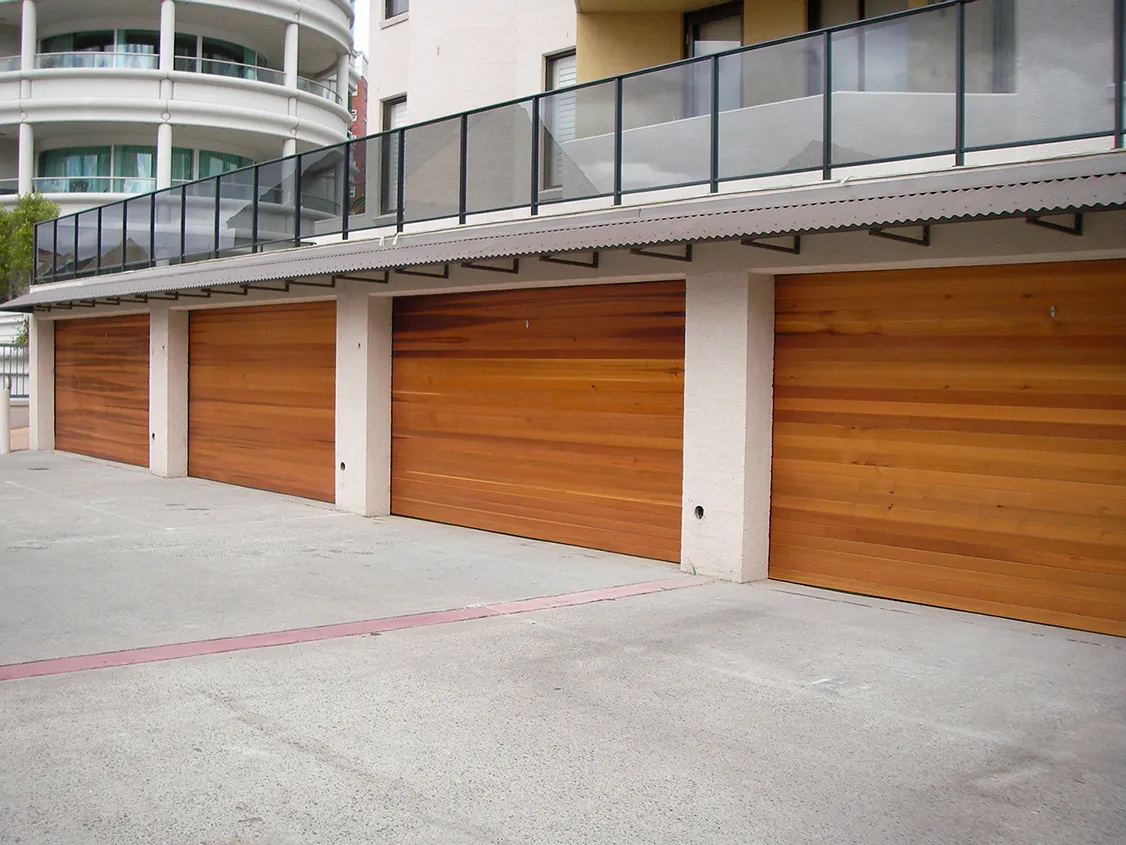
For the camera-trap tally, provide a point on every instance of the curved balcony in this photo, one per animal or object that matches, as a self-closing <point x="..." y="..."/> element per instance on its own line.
<point x="150" y="61"/>
<point x="126" y="88"/>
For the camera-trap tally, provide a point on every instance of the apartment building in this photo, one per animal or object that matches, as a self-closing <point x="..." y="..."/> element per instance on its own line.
<point x="111" y="99"/>
<point x="826" y="292"/>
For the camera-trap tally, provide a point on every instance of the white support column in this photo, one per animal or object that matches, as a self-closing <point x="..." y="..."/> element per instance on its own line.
<point x="363" y="401"/>
<point x="26" y="152"/>
<point x="167" y="35"/>
<point x="728" y="417"/>
<point x="343" y="79"/>
<point x="163" y="155"/>
<point x="41" y="368"/>
<point x="289" y="147"/>
<point x="290" y="66"/>
<point x="29" y="35"/>
<point x="168" y="393"/>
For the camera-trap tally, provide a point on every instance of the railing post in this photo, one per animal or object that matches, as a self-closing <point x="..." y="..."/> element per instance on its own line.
<point x="218" y="194"/>
<point x="152" y="230"/>
<point x="463" y="175"/>
<point x="960" y="88"/>
<point x="1119" y="73"/>
<point x="297" y="200"/>
<point x="98" y="265"/>
<point x="254" y="209"/>
<point x="535" y="196"/>
<point x="346" y="190"/>
<point x="618" y="141"/>
<point x="124" y="237"/>
<point x="827" y="114"/>
<point x="714" y="168"/>
<point x="401" y="180"/>
<point x="183" y="222"/>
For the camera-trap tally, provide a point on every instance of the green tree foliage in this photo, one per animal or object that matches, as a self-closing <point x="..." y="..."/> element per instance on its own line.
<point x="17" y="241"/>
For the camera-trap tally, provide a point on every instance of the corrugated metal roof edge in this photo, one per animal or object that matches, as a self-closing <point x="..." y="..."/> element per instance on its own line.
<point x="1082" y="183"/>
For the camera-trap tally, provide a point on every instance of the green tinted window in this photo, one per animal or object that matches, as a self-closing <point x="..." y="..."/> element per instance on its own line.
<point x="215" y="164"/>
<point x="183" y="169"/>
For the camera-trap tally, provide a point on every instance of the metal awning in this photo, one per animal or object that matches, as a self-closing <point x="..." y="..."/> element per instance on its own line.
<point x="1081" y="184"/>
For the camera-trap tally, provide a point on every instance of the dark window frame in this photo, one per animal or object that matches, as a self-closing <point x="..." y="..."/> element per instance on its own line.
<point x="711" y="14"/>
<point x="389" y="157"/>
<point x="395" y="8"/>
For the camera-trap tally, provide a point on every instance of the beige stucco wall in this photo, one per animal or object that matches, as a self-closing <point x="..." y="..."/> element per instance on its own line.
<point x="764" y="20"/>
<point x="611" y="43"/>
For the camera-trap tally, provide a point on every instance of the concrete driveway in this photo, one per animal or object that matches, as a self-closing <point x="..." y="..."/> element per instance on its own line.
<point x="281" y="673"/>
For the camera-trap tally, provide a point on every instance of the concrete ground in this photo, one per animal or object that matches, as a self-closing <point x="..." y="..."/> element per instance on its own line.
<point x="715" y="713"/>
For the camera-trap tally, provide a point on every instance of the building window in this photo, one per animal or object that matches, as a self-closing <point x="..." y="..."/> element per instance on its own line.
<point x="126" y="168"/>
<point x="394" y="116"/>
<point x="559" y="116"/>
<point x="77" y="170"/>
<point x="709" y="31"/>
<point x="394" y="8"/>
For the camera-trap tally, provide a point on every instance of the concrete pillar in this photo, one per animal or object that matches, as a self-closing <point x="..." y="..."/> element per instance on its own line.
<point x="29" y="35"/>
<point x="728" y="416"/>
<point x="5" y="417"/>
<point x="363" y="401"/>
<point x="167" y="35"/>
<point x="168" y="393"/>
<point x="41" y="387"/>
<point x="289" y="147"/>
<point x="163" y="155"/>
<point x="26" y="155"/>
<point x="343" y="80"/>
<point x="290" y="66"/>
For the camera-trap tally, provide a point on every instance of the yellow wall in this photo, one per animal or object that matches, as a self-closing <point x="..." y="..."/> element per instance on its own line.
<point x="764" y="20"/>
<point x="609" y="43"/>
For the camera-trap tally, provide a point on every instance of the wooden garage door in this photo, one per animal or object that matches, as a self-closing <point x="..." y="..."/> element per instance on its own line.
<point x="554" y="414"/>
<point x="262" y="397"/>
<point x="956" y="437"/>
<point x="102" y="388"/>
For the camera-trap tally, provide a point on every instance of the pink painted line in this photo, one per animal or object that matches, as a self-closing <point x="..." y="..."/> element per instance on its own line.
<point x="222" y="645"/>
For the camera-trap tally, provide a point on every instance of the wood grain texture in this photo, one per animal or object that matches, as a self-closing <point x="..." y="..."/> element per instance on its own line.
<point x="102" y="388"/>
<point x="941" y="438"/>
<point x="555" y="414"/>
<point x="262" y="398"/>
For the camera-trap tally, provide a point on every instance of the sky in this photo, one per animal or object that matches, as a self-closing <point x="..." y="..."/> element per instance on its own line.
<point x="361" y="30"/>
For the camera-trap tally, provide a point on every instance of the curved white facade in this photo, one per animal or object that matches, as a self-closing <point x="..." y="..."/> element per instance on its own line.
<point x="126" y="96"/>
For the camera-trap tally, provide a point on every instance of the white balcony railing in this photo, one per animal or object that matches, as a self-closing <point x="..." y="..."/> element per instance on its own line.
<point x="188" y="64"/>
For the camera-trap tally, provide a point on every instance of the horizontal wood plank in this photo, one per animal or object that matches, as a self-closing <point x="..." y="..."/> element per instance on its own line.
<point x="553" y="413"/>
<point x="941" y="437"/>
<point x="262" y="398"/>
<point x="102" y="388"/>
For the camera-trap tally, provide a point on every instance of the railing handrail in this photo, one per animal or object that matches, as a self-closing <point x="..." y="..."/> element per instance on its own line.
<point x="108" y="57"/>
<point x="823" y="38"/>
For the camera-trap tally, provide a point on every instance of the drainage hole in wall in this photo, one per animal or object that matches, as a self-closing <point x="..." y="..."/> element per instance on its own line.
<point x="699" y="512"/>
<point x="342" y="466"/>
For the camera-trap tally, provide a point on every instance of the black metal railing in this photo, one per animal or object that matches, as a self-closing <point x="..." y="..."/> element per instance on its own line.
<point x="938" y="81"/>
<point x="13" y="369"/>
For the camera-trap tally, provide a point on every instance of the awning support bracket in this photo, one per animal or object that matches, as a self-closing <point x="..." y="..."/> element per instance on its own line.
<point x="331" y="284"/>
<point x="762" y="244"/>
<point x="513" y="270"/>
<point x="385" y="280"/>
<point x="426" y="274"/>
<point x="671" y="256"/>
<point x="267" y="288"/>
<point x="551" y="258"/>
<point x="925" y="240"/>
<point x="1076" y="228"/>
